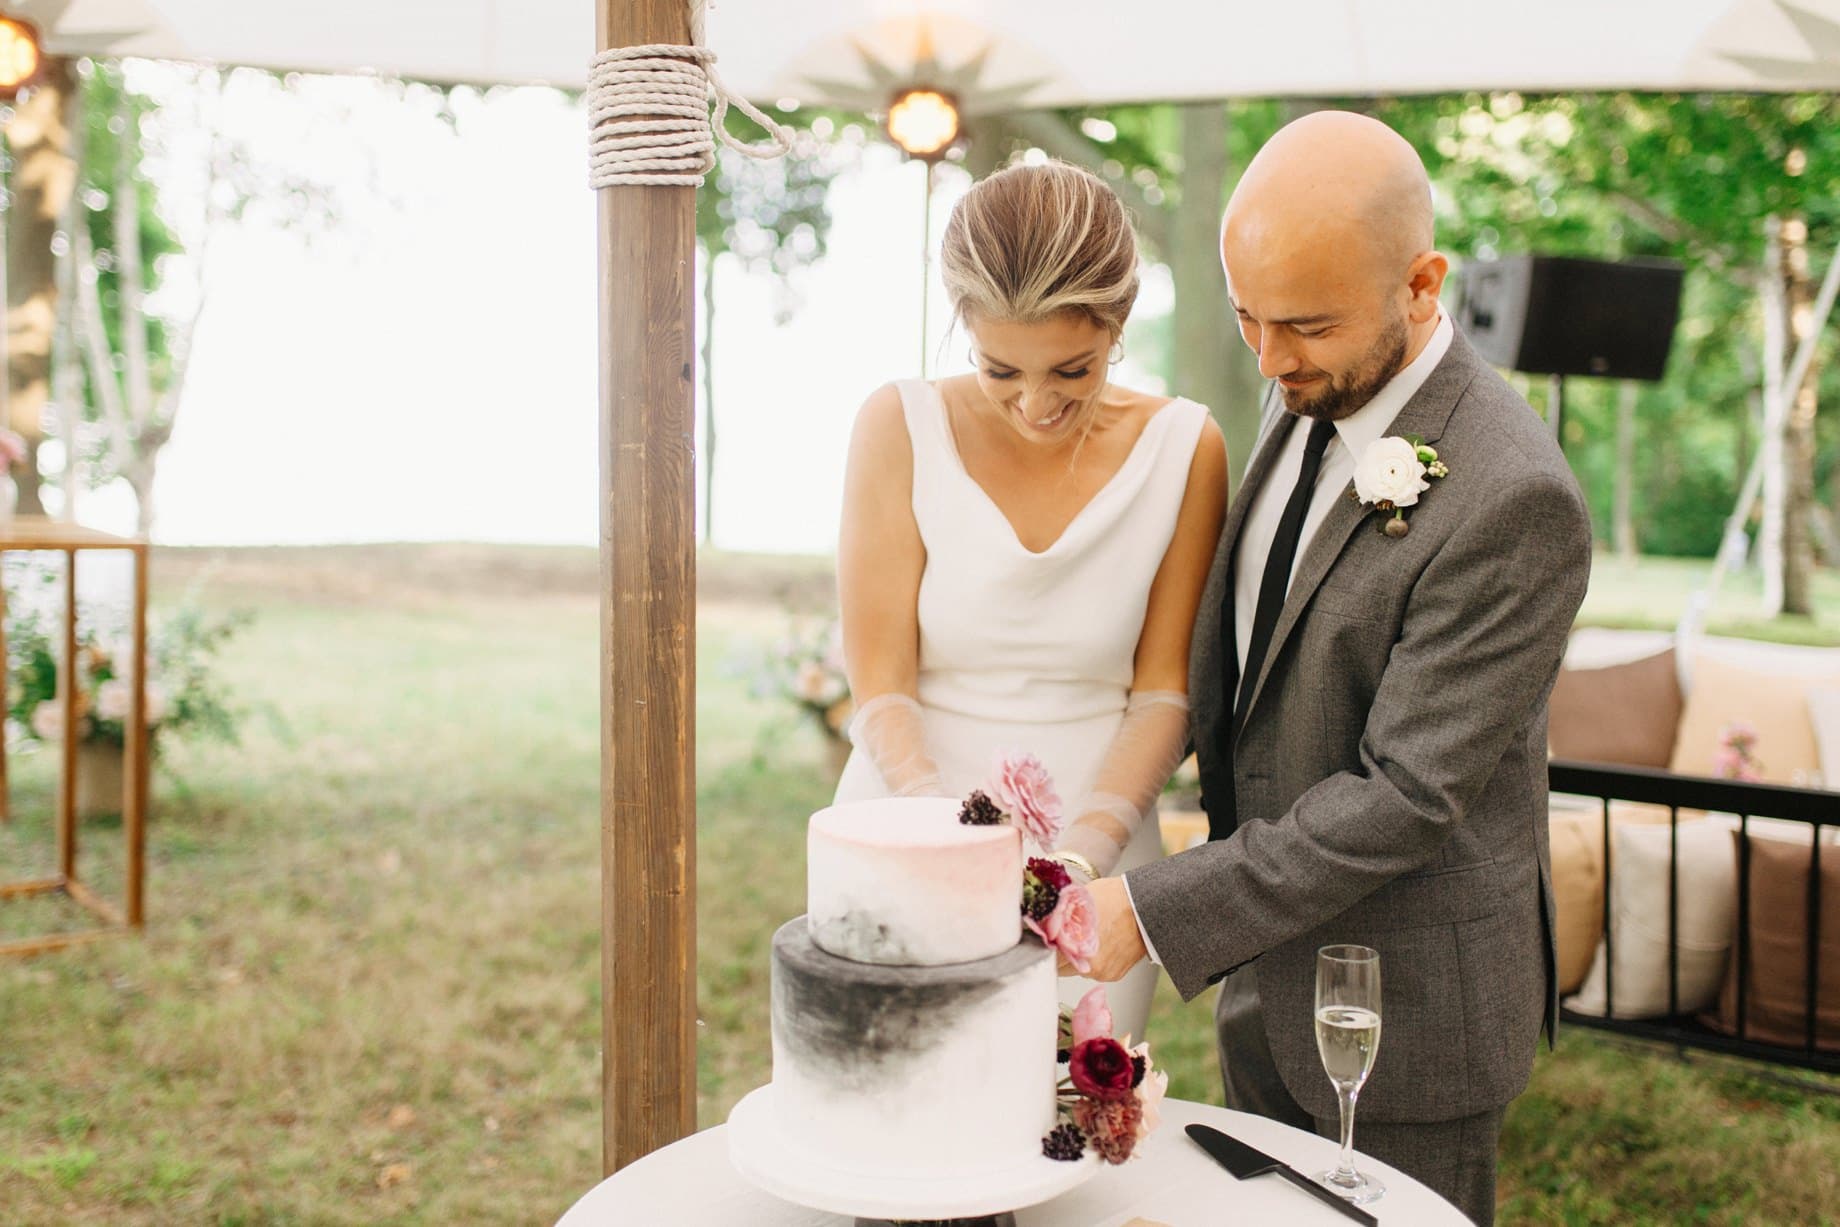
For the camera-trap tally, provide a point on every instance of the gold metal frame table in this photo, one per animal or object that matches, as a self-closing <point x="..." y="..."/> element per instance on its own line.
<point x="37" y="533"/>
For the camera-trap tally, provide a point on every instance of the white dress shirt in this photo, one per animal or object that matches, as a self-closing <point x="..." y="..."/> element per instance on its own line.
<point x="1353" y="434"/>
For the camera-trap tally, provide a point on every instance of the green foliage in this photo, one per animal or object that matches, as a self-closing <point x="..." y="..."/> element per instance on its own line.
<point x="1613" y="176"/>
<point x="773" y="213"/>
<point x="110" y="111"/>
<point x="186" y="693"/>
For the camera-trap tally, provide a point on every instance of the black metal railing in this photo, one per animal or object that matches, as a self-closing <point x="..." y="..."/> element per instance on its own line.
<point x="1819" y="809"/>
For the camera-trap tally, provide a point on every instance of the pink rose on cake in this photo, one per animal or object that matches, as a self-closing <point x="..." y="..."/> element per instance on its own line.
<point x="1098" y="1064"/>
<point x="1021" y="788"/>
<point x="1071" y="929"/>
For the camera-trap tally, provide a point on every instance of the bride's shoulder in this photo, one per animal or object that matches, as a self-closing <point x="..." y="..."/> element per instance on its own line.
<point x="880" y="436"/>
<point x="1139" y="407"/>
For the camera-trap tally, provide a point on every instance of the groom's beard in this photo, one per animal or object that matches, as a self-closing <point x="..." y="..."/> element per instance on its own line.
<point x="1337" y="395"/>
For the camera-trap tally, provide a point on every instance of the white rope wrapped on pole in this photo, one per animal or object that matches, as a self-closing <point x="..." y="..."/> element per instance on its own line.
<point x="649" y="115"/>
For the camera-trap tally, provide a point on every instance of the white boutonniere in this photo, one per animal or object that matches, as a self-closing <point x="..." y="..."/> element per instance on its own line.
<point x="1392" y="473"/>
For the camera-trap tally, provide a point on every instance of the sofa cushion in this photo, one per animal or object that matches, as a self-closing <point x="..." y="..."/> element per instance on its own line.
<point x="1626" y="714"/>
<point x="1639" y="920"/>
<point x="1578" y="891"/>
<point x="1824" y="715"/>
<point x="1775" y="704"/>
<point x="1776" y="972"/>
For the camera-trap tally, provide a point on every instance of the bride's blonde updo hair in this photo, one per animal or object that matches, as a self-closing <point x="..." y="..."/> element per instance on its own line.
<point x="1033" y="242"/>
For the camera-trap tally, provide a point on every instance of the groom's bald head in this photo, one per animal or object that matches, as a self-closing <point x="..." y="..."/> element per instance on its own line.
<point x="1337" y="179"/>
<point x="1327" y="245"/>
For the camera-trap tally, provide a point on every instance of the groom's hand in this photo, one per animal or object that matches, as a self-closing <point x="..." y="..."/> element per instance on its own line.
<point x="1121" y="945"/>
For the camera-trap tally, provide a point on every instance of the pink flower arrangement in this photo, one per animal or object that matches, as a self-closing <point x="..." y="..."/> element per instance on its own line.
<point x="1736" y="758"/>
<point x="1111" y="1097"/>
<point x="1021" y="788"/>
<point x="1071" y="927"/>
<point x="1108" y="1099"/>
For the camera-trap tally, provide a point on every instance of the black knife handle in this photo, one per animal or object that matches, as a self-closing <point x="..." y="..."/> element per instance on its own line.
<point x="1340" y="1203"/>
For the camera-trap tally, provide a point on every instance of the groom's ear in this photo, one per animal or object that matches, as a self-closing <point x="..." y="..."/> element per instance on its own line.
<point x="1424" y="282"/>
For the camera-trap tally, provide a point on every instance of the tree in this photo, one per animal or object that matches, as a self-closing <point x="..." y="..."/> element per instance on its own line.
<point x="41" y="185"/>
<point x="767" y="215"/>
<point x="1696" y="177"/>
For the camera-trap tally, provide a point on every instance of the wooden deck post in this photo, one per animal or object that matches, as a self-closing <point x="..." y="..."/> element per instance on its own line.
<point x="648" y="595"/>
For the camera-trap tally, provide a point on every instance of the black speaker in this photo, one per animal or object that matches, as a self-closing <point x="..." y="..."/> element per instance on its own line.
<point x="1560" y="315"/>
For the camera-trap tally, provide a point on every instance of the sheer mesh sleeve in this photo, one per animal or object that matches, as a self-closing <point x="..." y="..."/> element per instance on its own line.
<point x="888" y="728"/>
<point x="1144" y="753"/>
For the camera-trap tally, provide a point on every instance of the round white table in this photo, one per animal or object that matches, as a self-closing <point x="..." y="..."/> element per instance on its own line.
<point x="1170" y="1180"/>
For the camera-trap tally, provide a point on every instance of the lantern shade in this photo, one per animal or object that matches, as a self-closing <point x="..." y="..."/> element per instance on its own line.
<point x="20" y="58"/>
<point x="923" y="122"/>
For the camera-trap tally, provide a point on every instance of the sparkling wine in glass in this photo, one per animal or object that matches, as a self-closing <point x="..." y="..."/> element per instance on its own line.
<point x="1348" y="1037"/>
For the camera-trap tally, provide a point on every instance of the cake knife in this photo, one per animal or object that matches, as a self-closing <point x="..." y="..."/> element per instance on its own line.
<point x="1245" y="1162"/>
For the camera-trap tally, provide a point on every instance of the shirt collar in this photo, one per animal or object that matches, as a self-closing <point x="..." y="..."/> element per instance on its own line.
<point x="1361" y="428"/>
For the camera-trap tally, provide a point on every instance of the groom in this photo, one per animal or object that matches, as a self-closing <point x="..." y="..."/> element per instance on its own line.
<point x="1369" y="706"/>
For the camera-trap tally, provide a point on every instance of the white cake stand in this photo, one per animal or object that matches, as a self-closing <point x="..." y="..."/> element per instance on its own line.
<point x="758" y="1147"/>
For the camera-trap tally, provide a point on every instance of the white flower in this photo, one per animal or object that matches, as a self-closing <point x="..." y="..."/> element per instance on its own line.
<point x="1390" y="471"/>
<point x="157" y="703"/>
<point x="114" y="700"/>
<point x="48" y="720"/>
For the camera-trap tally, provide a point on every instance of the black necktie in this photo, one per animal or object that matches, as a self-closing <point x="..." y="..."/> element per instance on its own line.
<point x="1273" y="586"/>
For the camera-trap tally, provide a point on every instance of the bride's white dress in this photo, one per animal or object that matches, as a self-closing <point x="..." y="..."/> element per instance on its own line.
<point x="1034" y="651"/>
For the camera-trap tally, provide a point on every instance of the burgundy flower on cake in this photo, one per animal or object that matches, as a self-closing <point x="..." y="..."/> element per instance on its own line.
<point x="1021" y="788"/>
<point x="1102" y="1069"/>
<point x="1111" y="1096"/>
<point x="1071" y="930"/>
<point x="1043" y="880"/>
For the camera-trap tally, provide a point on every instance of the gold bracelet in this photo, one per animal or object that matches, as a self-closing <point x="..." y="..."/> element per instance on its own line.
<point x="1073" y="860"/>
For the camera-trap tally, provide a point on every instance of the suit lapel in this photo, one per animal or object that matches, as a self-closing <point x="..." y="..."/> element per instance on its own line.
<point x="1425" y="415"/>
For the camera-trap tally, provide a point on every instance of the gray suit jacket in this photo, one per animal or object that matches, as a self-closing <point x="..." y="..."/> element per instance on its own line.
<point x="1390" y="775"/>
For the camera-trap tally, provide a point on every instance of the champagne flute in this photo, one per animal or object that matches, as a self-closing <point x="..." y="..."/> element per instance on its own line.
<point x="1348" y="1037"/>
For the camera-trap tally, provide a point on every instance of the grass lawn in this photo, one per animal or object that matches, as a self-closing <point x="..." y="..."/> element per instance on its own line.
<point x="368" y="993"/>
<point x="1653" y="593"/>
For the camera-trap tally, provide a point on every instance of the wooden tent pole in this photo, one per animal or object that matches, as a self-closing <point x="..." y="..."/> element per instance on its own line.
<point x="648" y="619"/>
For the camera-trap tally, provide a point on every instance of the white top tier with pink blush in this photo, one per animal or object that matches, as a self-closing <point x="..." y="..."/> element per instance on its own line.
<point x="900" y="881"/>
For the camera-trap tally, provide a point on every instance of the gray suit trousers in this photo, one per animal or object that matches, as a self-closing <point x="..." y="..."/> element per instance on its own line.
<point x="1455" y="1158"/>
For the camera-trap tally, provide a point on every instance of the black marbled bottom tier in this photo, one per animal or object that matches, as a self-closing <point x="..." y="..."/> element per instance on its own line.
<point x="913" y="1070"/>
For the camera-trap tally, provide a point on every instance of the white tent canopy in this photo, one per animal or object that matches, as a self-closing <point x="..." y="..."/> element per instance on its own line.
<point x="1069" y="51"/>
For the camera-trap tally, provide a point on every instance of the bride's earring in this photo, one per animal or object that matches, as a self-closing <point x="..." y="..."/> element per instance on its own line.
<point x="1117" y="354"/>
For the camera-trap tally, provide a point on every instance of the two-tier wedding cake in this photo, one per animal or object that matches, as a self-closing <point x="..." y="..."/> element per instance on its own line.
<point x="913" y="1024"/>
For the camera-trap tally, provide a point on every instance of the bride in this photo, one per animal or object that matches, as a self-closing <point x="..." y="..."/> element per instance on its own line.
<point x="1023" y="548"/>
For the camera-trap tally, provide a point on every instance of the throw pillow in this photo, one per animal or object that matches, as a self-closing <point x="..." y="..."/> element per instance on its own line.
<point x="1775" y="704"/>
<point x="1776" y="971"/>
<point x="1626" y="714"/>
<point x="1578" y="891"/>
<point x="1707" y="886"/>
<point x="1824" y="714"/>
